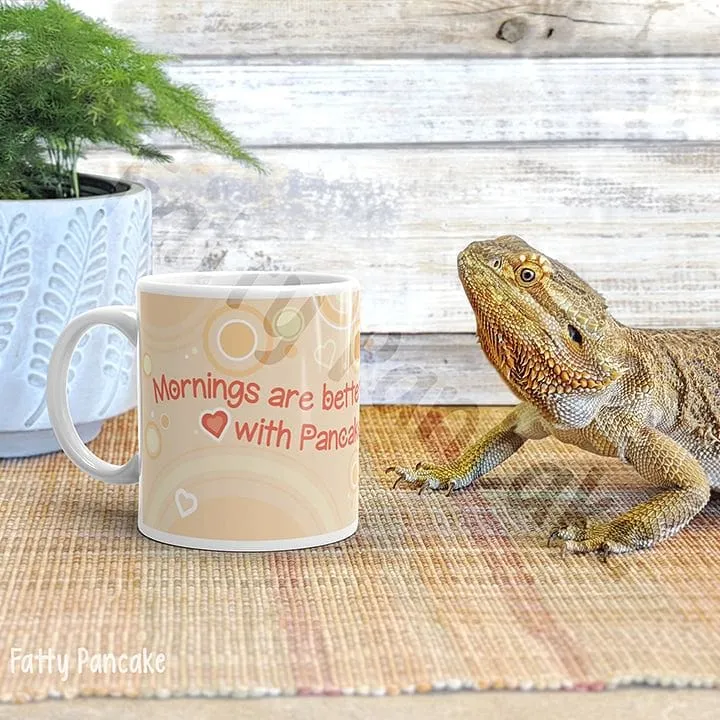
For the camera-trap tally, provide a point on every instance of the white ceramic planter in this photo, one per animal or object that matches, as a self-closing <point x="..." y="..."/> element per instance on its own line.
<point x="59" y="258"/>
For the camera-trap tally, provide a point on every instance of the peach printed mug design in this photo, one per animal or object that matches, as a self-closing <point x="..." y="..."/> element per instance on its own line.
<point x="248" y="410"/>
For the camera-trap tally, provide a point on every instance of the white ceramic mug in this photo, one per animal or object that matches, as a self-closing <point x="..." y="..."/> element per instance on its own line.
<point x="248" y="408"/>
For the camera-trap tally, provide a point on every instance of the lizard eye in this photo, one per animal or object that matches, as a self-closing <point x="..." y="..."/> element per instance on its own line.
<point x="575" y="334"/>
<point x="527" y="275"/>
<point x="495" y="263"/>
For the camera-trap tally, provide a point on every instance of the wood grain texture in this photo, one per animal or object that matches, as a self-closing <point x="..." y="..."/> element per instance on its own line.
<point x="416" y="27"/>
<point x="639" y="221"/>
<point x="462" y="101"/>
<point x="429" y="369"/>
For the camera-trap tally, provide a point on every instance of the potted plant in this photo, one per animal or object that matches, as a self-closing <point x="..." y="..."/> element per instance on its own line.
<point x="68" y="241"/>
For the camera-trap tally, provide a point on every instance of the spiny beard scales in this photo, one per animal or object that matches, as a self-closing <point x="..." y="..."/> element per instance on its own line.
<point x="508" y="354"/>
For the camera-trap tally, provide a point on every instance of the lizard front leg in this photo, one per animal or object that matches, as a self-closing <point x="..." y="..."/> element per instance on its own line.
<point x="522" y="423"/>
<point x="661" y="461"/>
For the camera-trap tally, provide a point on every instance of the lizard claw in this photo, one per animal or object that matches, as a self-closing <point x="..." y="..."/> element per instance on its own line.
<point x="400" y="476"/>
<point x="553" y="536"/>
<point x="581" y="540"/>
<point x="424" y="476"/>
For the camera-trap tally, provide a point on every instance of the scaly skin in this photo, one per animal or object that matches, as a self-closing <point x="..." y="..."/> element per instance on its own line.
<point x="648" y="397"/>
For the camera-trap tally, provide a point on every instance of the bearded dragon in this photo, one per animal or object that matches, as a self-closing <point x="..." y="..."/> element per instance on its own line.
<point x="650" y="398"/>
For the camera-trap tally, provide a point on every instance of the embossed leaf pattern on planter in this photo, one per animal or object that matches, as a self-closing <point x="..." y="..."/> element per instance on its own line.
<point x="73" y="287"/>
<point x="15" y="269"/>
<point x="134" y="263"/>
<point x="145" y="254"/>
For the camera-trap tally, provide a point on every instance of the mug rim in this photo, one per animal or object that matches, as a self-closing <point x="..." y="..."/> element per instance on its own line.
<point x="185" y="283"/>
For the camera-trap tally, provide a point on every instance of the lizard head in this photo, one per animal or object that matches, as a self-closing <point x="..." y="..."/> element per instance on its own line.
<point x="545" y="330"/>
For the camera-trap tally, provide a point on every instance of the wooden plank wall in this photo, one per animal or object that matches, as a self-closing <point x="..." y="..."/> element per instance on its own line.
<point x="397" y="131"/>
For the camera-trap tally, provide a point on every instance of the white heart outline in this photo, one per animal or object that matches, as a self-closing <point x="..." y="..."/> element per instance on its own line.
<point x="182" y="494"/>
<point x="320" y="349"/>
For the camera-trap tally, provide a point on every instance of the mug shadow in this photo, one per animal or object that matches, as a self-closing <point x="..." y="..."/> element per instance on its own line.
<point x="84" y="502"/>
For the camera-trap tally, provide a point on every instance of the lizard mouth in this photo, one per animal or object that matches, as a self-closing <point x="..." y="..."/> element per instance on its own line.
<point x="489" y="296"/>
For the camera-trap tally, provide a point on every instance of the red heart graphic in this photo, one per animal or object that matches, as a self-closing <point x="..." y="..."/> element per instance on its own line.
<point x="215" y="423"/>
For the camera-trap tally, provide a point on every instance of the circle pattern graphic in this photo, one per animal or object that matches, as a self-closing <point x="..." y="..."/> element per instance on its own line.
<point x="354" y="491"/>
<point x="288" y="323"/>
<point x="232" y="338"/>
<point x="336" y="310"/>
<point x="237" y="340"/>
<point x="153" y="440"/>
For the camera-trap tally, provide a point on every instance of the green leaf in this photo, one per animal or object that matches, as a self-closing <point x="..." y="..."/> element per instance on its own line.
<point x="68" y="82"/>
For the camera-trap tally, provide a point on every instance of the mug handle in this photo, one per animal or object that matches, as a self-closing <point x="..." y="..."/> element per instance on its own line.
<point x="124" y="319"/>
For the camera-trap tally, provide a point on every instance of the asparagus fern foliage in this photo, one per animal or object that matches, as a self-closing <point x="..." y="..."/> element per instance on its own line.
<point x="68" y="83"/>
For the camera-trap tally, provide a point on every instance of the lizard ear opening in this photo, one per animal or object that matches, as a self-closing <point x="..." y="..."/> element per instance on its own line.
<point x="575" y="335"/>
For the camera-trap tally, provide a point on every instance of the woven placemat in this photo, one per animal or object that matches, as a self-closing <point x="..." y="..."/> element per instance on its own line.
<point x="431" y="593"/>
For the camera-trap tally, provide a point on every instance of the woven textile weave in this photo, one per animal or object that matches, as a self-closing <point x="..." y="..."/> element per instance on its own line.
<point x="433" y="592"/>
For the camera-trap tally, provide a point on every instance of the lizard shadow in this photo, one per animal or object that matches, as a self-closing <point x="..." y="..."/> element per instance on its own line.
<point x="547" y="495"/>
